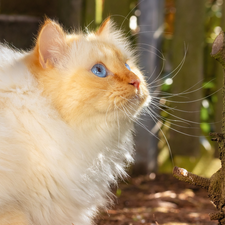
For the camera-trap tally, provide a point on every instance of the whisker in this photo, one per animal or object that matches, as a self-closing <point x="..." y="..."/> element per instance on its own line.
<point x="187" y="90"/>
<point x="118" y="124"/>
<point x="106" y="116"/>
<point x="130" y="13"/>
<point x="181" y="119"/>
<point x="196" y="100"/>
<point x="177" y="70"/>
<point x="173" y="108"/>
<point x="171" y="120"/>
<point x="171" y="155"/>
<point x="190" y="135"/>
<point x="149" y="77"/>
<point x="86" y="28"/>
<point x="136" y="121"/>
<point x="142" y="48"/>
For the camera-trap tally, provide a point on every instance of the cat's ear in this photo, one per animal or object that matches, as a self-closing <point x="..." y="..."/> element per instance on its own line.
<point x="51" y="44"/>
<point x="105" y="28"/>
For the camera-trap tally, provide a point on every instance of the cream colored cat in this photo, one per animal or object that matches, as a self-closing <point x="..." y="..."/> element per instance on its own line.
<point x="66" y="112"/>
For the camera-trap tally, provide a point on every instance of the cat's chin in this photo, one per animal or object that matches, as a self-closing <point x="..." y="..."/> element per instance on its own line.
<point x="132" y="108"/>
<point x="138" y="102"/>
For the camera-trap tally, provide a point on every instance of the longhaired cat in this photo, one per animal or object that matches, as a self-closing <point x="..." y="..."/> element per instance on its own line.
<point x="66" y="117"/>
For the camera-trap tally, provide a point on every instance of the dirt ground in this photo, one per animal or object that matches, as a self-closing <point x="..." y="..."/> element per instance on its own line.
<point x="162" y="200"/>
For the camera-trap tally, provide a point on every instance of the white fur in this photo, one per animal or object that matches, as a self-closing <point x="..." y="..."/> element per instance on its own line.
<point x="55" y="174"/>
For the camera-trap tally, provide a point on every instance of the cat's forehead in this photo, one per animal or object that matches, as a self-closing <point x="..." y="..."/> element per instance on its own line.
<point x="108" y="50"/>
<point x="106" y="46"/>
<point x="98" y="46"/>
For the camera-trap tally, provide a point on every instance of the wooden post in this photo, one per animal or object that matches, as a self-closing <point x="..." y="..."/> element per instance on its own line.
<point x="188" y="36"/>
<point x="150" y="36"/>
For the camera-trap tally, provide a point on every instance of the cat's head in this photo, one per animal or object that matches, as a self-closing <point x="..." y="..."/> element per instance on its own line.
<point x="88" y="76"/>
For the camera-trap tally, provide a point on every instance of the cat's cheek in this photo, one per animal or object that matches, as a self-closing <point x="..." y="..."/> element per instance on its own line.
<point x="103" y="106"/>
<point x="145" y="96"/>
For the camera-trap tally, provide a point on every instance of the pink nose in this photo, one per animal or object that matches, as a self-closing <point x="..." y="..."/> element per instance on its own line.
<point x="135" y="82"/>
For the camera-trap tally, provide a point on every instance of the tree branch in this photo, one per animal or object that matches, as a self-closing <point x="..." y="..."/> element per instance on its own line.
<point x="184" y="175"/>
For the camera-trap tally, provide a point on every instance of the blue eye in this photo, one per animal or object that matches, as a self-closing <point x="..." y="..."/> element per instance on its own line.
<point x="99" y="70"/>
<point x="128" y="67"/>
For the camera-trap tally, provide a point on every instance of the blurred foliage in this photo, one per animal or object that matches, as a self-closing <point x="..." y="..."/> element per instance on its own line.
<point x="209" y="88"/>
<point x="212" y="29"/>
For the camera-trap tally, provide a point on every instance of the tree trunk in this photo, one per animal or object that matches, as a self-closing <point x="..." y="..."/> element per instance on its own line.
<point x="150" y="37"/>
<point x="188" y="36"/>
<point x="219" y="81"/>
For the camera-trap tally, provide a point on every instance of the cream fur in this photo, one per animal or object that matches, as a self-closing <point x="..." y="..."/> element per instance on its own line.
<point x="63" y="142"/>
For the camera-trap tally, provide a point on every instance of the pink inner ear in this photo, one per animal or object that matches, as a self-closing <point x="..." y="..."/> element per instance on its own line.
<point x="51" y="44"/>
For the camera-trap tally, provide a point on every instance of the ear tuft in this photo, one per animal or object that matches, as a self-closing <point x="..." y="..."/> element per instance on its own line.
<point x="51" y="44"/>
<point x="105" y="28"/>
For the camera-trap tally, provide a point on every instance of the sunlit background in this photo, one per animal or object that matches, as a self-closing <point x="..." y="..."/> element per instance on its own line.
<point x="174" y="44"/>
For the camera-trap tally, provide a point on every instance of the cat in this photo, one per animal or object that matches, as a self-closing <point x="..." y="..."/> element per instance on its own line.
<point x="67" y="109"/>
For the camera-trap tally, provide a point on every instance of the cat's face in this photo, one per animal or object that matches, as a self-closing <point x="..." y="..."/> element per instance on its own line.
<point x="88" y="76"/>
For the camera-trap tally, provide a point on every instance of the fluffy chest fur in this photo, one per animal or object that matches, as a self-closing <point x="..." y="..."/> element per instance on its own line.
<point x="65" y="134"/>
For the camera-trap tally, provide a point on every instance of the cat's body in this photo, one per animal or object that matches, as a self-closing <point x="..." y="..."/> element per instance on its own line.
<point x="65" y="133"/>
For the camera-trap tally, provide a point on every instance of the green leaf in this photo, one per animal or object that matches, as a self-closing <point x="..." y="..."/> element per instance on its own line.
<point x="205" y="127"/>
<point x="208" y="85"/>
<point x="204" y="114"/>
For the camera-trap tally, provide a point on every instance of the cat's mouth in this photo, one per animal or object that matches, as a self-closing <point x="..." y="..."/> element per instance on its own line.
<point x="141" y="97"/>
<point x="132" y="104"/>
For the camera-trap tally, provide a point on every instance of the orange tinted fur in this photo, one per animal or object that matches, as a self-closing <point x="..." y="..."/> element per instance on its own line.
<point x="13" y="217"/>
<point x="103" y="26"/>
<point x="62" y="90"/>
